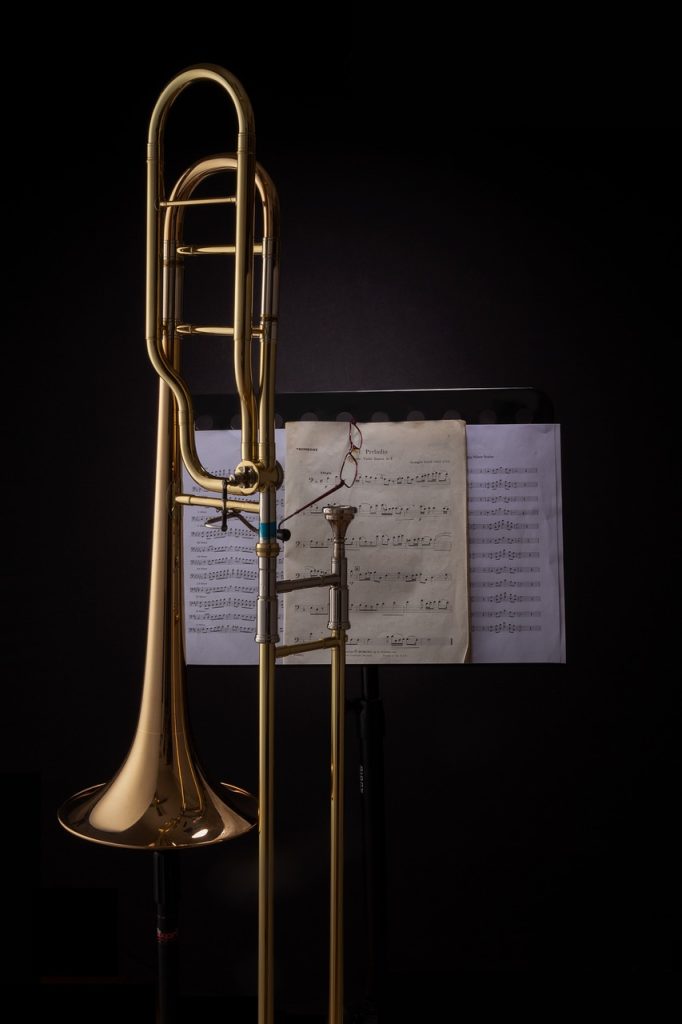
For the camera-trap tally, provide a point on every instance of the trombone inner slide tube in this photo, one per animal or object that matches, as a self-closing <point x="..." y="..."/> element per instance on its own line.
<point x="339" y="518"/>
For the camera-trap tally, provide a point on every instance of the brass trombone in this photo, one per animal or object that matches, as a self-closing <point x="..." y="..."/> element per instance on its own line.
<point x="159" y="799"/>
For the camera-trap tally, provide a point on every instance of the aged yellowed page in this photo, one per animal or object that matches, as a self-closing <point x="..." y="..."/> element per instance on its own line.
<point x="407" y="547"/>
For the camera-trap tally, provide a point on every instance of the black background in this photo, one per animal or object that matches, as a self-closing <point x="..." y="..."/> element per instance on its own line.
<point x="476" y="206"/>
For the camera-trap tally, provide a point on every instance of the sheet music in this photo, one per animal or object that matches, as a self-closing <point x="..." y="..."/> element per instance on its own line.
<point x="515" y="553"/>
<point x="220" y="569"/>
<point x="515" y="543"/>
<point x="406" y="547"/>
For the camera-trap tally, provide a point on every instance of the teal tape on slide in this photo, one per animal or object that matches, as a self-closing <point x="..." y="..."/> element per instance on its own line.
<point x="268" y="531"/>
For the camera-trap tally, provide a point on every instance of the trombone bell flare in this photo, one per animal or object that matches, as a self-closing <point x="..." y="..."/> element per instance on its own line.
<point x="168" y="822"/>
<point x="160" y="799"/>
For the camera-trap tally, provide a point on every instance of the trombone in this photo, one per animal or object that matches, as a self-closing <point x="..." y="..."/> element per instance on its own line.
<point x="160" y="798"/>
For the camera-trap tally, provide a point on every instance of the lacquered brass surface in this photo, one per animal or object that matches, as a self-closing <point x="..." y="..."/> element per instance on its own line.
<point x="174" y="819"/>
<point x="159" y="799"/>
<point x="336" y="846"/>
<point x="339" y="518"/>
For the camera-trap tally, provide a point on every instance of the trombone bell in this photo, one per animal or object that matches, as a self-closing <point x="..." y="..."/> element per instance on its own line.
<point x="169" y="820"/>
<point x="159" y="799"/>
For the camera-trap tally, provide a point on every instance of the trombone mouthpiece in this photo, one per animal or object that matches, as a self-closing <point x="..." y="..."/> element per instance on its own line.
<point x="339" y="517"/>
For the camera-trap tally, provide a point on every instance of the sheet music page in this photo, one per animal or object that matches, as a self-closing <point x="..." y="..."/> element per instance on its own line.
<point x="221" y="569"/>
<point x="515" y="550"/>
<point x="407" y="552"/>
<point x="515" y="543"/>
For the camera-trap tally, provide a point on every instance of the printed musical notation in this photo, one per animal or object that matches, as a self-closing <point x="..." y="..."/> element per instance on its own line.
<point x="407" y="572"/>
<point x="220" y="572"/>
<point x="439" y="541"/>
<point x="383" y="642"/>
<point x="406" y="545"/>
<point x="368" y="508"/>
<point x="397" y="576"/>
<point x="502" y="554"/>
<point x="323" y="477"/>
<point x="515" y="543"/>
<point x="440" y="604"/>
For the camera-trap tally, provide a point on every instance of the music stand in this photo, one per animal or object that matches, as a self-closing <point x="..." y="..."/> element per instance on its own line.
<point x="473" y="405"/>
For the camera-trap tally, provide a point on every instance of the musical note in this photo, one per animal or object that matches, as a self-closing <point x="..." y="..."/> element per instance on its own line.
<point x="421" y="511"/>
<point x="503" y="582"/>
<point x="506" y="627"/>
<point x="440" y="542"/>
<point x="516" y="591"/>
<point x="312" y="609"/>
<point x="499" y="470"/>
<point x="499" y="485"/>
<point x="224" y="627"/>
<point x="502" y="524"/>
<point x="207" y="616"/>
<point x="506" y="613"/>
<point x="509" y="570"/>
<point x="503" y="553"/>
<point x="222" y="602"/>
<point x="361" y="574"/>
<point x="437" y="477"/>
<point x="407" y="607"/>
<point x="501" y="499"/>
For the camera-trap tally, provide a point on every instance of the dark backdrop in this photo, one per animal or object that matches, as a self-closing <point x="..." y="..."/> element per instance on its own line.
<point x="477" y="207"/>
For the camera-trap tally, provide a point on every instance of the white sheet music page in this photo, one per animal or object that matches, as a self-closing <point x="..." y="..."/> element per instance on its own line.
<point x="515" y="543"/>
<point x="220" y="569"/>
<point x="406" y="548"/>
